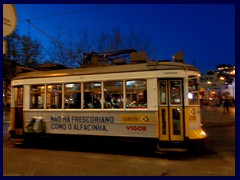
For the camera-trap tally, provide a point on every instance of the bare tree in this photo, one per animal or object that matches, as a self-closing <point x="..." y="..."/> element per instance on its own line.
<point x="70" y="47"/>
<point x="83" y="42"/>
<point x="24" y="50"/>
<point x="116" y="39"/>
<point x="140" y="41"/>
<point x="29" y="52"/>
<point x="13" y="44"/>
<point x="103" y="42"/>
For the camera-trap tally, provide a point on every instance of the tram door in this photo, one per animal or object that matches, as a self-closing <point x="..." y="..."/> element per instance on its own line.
<point x="171" y="109"/>
<point x="17" y="110"/>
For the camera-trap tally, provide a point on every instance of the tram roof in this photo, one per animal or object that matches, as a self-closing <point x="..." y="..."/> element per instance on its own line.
<point x="151" y="65"/>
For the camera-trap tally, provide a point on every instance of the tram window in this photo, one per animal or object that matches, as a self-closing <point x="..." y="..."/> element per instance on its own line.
<point x="193" y="85"/>
<point x="54" y="96"/>
<point x="164" y="120"/>
<point x="72" y="96"/>
<point x="193" y="98"/>
<point x="193" y="88"/>
<point x="176" y="121"/>
<point x="163" y="90"/>
<point x="136" y="94"/>
<point x="37" y="96"/>
<point x="92" y="95"/>
<point x="113" y="94"/>
<point x="175" y="92"/>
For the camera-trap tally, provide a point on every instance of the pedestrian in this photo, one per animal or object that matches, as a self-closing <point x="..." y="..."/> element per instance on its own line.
<point x="226" y="104"/>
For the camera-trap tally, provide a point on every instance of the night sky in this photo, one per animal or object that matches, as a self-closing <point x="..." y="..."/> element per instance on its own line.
<point x="205" y="32"/>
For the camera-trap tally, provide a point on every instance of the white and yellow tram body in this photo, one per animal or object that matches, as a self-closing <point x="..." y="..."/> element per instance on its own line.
<point x="156" y="101"/>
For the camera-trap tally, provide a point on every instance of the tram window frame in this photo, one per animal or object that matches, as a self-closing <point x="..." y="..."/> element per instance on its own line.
<point x="113" y="94"/>
<point x="51" y="96"/>
<point x="92" y="97"/>
<point x="133" y="99"/>
<point x="193" y="90"/>
<point x="34" y="103"/>
<point x="72" y="97"/>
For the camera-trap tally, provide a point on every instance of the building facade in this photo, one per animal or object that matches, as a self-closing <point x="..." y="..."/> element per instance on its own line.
<point x="216" y="84"/>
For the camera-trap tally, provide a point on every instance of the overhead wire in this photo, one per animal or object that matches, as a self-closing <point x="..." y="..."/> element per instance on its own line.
<point x="61" y="14"/>
<point x="67" y="12"/>
<point x="55" y="41"/>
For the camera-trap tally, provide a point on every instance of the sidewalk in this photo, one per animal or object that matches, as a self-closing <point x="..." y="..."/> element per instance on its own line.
<point x="211" y="116"/>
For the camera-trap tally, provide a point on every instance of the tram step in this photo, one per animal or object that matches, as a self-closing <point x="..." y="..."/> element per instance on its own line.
<point x="172" y="149"/>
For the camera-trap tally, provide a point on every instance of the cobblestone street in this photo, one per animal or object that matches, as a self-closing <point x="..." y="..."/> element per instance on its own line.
<point x="214" y="115"/>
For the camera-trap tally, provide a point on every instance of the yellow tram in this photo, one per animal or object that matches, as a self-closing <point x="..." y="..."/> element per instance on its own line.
<point x="155" y="101"/>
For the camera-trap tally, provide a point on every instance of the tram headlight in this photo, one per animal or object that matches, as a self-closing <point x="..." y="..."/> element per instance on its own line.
<point x="202" y="133"/>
